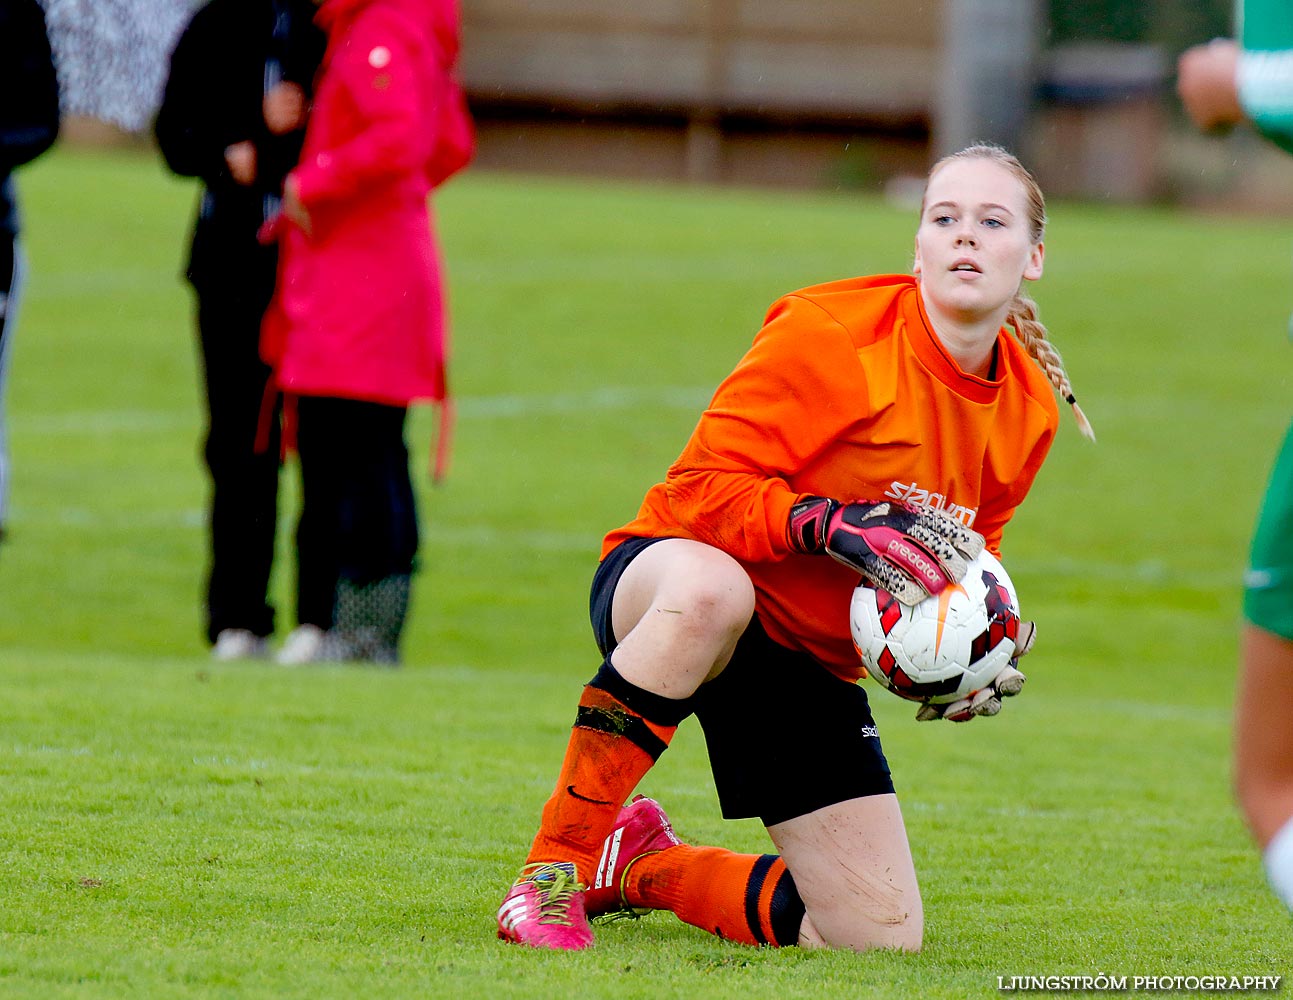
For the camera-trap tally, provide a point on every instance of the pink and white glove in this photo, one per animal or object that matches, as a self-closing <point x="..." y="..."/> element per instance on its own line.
<point x="909" y="550"/>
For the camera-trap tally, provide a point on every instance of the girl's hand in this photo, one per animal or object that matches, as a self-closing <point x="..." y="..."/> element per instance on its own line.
<point x="284" y="108"/>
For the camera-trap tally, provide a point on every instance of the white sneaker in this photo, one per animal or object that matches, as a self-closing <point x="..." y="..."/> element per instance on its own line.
<point x="304" y="644"/>
<point x="238" y="644"/>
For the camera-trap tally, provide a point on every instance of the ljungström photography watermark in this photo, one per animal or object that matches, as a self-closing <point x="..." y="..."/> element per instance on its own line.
<point x="1104" y="983"/>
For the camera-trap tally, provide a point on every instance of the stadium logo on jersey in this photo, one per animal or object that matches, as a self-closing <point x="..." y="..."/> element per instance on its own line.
<point x="912" y="493"/>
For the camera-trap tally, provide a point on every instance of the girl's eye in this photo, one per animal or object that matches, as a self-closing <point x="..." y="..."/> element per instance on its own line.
<point x="993" y="223"/>
<point x="942" y="220"/>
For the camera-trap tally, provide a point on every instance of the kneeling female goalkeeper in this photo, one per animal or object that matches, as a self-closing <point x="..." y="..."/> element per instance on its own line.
<point x="890" y="422"/>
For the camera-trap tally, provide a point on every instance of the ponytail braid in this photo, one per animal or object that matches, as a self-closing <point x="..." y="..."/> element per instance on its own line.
<point x="1032" y="334"/>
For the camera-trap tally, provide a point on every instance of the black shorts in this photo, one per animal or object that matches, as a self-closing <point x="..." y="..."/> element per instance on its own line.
<point x="785" y="735"/>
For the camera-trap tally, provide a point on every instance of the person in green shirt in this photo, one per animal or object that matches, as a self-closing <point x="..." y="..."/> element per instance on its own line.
<point x="1222" y="83"/>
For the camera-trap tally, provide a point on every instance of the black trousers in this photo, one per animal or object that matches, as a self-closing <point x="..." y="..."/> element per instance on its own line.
<point x="358" y="510"/>
<point x="243" y="506"/>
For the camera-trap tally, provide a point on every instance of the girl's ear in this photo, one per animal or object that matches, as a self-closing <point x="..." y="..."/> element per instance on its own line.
<point x="1033" y="270"/>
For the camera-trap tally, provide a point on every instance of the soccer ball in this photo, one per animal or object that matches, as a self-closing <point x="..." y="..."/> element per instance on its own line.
<point x="946" y="647"/>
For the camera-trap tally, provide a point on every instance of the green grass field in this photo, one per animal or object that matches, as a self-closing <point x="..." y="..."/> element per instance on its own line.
<point x="171" y="827"/>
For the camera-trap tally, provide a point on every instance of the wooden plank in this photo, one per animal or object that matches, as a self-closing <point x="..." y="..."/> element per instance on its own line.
<point x="623" y="67"/>
<point x="587" y="15"/>
<point x="840" y="78"/>
<point x="869" y="22"/>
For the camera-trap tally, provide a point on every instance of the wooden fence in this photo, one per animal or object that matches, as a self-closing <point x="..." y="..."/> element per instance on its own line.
<point x="672" y="83"/>
<point x="798" y="58"/>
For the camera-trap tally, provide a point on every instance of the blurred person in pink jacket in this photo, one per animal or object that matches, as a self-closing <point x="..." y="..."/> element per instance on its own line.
<point x="356" y="330"/>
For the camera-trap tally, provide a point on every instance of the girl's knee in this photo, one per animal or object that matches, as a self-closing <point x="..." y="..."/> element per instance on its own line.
<point x="725" y="597"/>
<point x="705" y="588"/>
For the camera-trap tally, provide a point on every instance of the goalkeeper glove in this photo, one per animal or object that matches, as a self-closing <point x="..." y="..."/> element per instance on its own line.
<point x="908" y="550"/>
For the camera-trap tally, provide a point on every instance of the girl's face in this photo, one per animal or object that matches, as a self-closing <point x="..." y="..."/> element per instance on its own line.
<point x="974" y="244"/>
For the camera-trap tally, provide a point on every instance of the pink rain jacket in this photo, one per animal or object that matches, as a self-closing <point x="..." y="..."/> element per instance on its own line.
<point x="358" y="312"/>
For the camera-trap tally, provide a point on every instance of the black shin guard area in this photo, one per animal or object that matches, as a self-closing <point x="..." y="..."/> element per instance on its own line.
<point x="619" y="722"/>
<point x="655" y="708"/>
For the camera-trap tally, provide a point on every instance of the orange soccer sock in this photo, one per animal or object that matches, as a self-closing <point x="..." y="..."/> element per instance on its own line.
<point x="611" y="747"/>
<point x="750" y="898"/>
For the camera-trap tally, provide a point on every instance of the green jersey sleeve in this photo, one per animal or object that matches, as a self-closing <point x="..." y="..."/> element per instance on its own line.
<point x="1265" y="80"/>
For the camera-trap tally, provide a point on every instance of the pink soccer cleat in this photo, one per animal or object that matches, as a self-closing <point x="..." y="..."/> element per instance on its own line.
<point x="641" y="828"/>
<point x="545" y="909"/>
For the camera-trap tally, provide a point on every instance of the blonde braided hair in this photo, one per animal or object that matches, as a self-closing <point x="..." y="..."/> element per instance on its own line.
<point x="1032" y="334"/>
<point x="1022" y="318"/>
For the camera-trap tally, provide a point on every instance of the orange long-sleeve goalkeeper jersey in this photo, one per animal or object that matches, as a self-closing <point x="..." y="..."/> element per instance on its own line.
<point x="847" y="393"/>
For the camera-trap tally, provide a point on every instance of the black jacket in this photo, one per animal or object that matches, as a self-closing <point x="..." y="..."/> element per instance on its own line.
<point x="213" y="99"/>
<point x="28" y="96"/>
